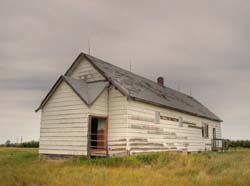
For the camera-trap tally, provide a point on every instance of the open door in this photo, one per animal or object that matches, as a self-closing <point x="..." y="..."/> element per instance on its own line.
<point x="97" y="139"/>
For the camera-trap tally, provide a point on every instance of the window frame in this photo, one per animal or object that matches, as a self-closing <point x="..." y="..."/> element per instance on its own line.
<point x="157" y="117"/>
<point x="205" y="130"/>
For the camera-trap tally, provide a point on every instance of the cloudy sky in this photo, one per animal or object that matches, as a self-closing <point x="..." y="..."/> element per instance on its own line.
<point x="197" y="45"/>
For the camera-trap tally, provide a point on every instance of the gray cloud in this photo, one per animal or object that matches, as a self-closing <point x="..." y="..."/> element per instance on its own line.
<point x="201" y="46"/>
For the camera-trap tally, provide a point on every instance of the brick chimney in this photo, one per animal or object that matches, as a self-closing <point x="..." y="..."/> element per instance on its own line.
<point x="160" y="81"/>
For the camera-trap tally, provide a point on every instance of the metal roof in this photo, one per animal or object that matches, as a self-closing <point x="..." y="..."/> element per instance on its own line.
<point x="143" y="89"/>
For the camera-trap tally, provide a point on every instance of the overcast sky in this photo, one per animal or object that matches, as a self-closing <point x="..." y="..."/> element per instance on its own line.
<point x="198" y="45"/>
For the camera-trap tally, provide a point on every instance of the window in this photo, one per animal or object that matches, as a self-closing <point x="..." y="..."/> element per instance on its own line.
<point x="180" y="121"/>
<point x="169" y="118"/>
<point x="205" y="130"/>
<point x="157" y="117"/>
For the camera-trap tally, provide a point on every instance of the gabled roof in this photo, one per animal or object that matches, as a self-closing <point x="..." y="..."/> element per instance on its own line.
<point x="88" y="92"/>
<point x="145" y="90"/>
<point x="133" y="86"/>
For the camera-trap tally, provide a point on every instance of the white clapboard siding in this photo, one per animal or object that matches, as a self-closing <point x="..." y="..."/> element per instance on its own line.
<point x="64" y="124"/>
<point x="67" y="125"/>
<point x="64" y="130"/>
<point x="64" y="111"/>
<point x="208" y="140"/>
<point x="61" y="134"/>
<point x="62" y="151"/>
<point x="64" y="116"/>
<point x="167" y="134"/>
<point x="63" y="143"/>
<point x="117" y="122"/>
<point x="65" y="138"/>
<point x="64" y="121"/>
<point x="86" y="71"/>
<point x="100" y="106"/>
<point x="131" y="124"/>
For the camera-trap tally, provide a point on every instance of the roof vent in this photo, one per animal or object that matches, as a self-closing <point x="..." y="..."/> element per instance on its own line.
<point x="160" y="81"/>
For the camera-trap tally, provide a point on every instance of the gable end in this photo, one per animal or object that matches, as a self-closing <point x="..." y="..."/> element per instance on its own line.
<point x="88" y="93"/>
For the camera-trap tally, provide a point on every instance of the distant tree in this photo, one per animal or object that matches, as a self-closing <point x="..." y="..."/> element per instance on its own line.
<point x="239" y="143"/>
<point x="7" y="143"/>
<point x="29" y="144"/>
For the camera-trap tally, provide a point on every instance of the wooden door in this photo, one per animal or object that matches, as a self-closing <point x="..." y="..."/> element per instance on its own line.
<point x="101" y="134"/>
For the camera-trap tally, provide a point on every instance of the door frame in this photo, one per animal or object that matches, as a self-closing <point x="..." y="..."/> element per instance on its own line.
<point x="214" y="143"/>
<point x="214" y="133"/>
<point x="89" y="132"/>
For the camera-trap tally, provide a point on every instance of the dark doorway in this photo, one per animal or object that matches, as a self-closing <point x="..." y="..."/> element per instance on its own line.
<point x="214" y="133"/>
<point x="214" y="143"/>
<point x="98" y="135"/>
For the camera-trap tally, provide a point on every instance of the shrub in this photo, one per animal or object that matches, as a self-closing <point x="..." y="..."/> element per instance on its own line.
<point x="238" y="143"/>
<point x="127" y="161"/>
<point x="147" y="158"/>
<point x="28" y="144"/>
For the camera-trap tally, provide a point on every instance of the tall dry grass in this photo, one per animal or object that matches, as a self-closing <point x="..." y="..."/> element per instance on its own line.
<point x="22" y="167"/>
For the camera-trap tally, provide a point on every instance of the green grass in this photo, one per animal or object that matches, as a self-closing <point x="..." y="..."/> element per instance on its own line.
<point x="21" y="167"/>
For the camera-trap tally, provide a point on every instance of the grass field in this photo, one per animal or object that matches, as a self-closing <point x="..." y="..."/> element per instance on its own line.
<point x="19" y="166"/>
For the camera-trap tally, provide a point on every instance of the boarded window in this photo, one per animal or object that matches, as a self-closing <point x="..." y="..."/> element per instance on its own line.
<point x="205" y="129"/>
<point x="169" y="118"/>
<point x="157" y="117"/>
<point x="180" y="121"/>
